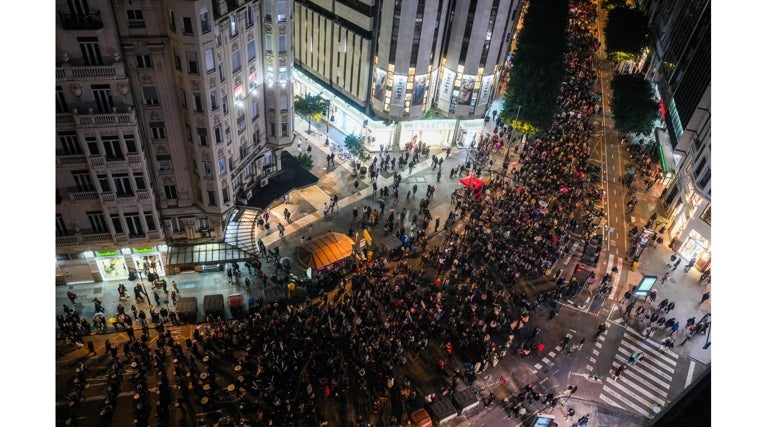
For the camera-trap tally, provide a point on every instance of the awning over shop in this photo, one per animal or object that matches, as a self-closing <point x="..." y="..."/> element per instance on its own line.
<point x="325" y="250"/>
<point x="206" y="253"/>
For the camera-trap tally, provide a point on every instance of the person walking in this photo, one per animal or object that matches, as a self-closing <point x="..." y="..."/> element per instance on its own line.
<point x="647" y="332"/>
<point x="629" y="308"/>
<point x="618" y="371"/>
<point x="676" y="264"/>
<point x="665" y="278"/>
<point x="671" y="306"/>
<point x="663" y="304"/>
<point x="674" y="329"/>
<point x="705" y="297"/>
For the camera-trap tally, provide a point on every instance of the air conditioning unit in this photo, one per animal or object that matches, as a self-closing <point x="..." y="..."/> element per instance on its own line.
<point x="264" y="182"/>
<point x="249" y="194"/>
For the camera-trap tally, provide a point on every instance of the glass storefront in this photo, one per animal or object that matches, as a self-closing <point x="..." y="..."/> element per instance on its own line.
<point x="111" y="265"/>
<point x="694" y="246"/>
<point x="148" y="262"/>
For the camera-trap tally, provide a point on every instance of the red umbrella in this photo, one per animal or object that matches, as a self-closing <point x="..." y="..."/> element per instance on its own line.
<point x="564" y="190"/>
<point x="471" y="182"/>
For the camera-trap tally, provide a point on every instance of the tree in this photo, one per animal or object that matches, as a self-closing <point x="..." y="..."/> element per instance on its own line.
<point x="305" y="161"/>
<point x="633" y="103"/>
<point x="626" y="33"/>
<point x="355" y="145"/>
<point x="311" y="107"/>
<point x="537" y="66"/>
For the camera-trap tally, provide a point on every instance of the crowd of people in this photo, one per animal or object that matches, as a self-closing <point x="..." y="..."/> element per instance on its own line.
<point x="283" y="362"/>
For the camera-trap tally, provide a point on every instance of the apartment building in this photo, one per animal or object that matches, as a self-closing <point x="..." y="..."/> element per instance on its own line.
<point x="196" y="96"/>
<point x="681" y="71"/>
<point x="430" y="67"/>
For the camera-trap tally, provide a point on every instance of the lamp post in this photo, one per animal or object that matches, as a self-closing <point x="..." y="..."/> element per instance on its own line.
<point x="327" y="138"/>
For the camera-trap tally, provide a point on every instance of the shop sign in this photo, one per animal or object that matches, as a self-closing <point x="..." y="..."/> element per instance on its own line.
<point x="106" y="253"/>
<point x="143" y="250"/>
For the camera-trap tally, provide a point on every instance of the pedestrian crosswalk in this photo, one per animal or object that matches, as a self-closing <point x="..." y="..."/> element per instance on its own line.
<point x="644" y="383"/>
<point x="549" y="359"/>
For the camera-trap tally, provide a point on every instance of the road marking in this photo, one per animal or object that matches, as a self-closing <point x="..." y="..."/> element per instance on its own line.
<point x="626" y="379"/>
<point x="690" y="374"/>
<point x="623" y="360"/>
<point x="623" y="399"/>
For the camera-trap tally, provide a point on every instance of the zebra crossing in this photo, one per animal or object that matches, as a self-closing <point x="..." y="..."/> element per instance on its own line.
<point x="644" y="383"/>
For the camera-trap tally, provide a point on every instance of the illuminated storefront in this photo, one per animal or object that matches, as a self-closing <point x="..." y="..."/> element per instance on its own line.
<point x="111" y="265"/>
<point x="148" y="261"/>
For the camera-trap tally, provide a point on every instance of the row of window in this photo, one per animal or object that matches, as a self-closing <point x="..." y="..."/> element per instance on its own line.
<point x="112" y="146"/>
<point x="129" y="222"/>
<point x="123" y="184"/>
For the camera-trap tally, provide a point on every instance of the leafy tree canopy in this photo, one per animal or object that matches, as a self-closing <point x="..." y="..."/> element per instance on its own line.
<point x="310" y="106"/>
<point x="537" y="66"/>
<point x="626" y="32"/>
<point x="633" y="103"/>
<point x="305" y="161"/>
<point x="355" y="145"/>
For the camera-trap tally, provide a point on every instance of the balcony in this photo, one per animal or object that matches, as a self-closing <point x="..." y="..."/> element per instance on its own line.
<point x="70" y="71"/>
<point x="82" y="238"/>
<point x="77" y="195"/>
<point x="142" y="194"/>
<point x="134" y="159"/>
<point x="84" y="21"/>
<point x="96" y="119"/>
<point x="64" y="161"/>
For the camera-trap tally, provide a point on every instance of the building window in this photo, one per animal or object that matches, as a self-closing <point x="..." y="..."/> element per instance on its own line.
<point x="177" y="225"/>
<point x="207" y="169"/>
<point x="104" y="183"/>
<point x="122" y="185"/>
<point x="150" y="95"/>
<point x="235" y="61"/>
<point x="209" y="60"/>
<point x="129" y="141"/>
<point x="172" y="22"/>
<point x="205" y="21"/>
<point x="60" y="101"/>
<point x="203" y="223"/>
<point x="103" y="99"/>
<point x="251" y="50"/>
<point x="202" y="137"/>
<point x="705" y="179"/>
<point x="233" y="26"/>
<point x="97" y="222"/>
<point x="282" y="44"/>
<point x="69" y="144"/>
<point x="218" y="135"/>
<point x="213" y="95"/>
<point x="254" y="109"/>
<point x="112" y="147"/>
<point x="225" y="195"/>
<point x="211" y="198"/>
<point x="140" y="182"/>
<point x="60" y="226"/>
<point x="227" y="135"/>
<point x="284" y="129"/>
<point x="221" y="72"/>
<point x="90" y="50"/>
<point x="283" y="103"/>
<point x="192" y="63"/>
<point x="144" y="61"/>
<point x="92" y="145"/>
<point x="170" y="191"/>
<point x="268" y="43"/>
<point x="177" y="60"/>
<point x="222" y="163"/>
<point x="187" y="26"/>
<point x="188" y="133"/>
<point x="197" y="102"/>
<point x="149" y="221"/>
<point x="241" y="123"/>
<point x="281" y="11"/>
<point x="135" y="18"/>
<point x="164" y="163"/>
<point x="225" y="109"/>
<point x="249" y="16"/>
<point x="116" y="222"/>
<point x="82" y="181"/>
<point x="157" y="130"/>
<point x="134" y="225"/>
